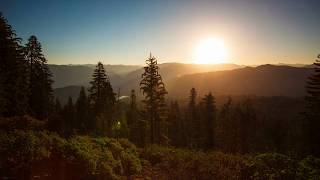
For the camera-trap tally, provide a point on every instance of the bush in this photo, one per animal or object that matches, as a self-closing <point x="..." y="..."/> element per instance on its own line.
<point x="21" y="122"/>
<point x="273" y="166"/>
<point x="173" y="163"/>
<point x="188" y="164"/>
<point x="35" y="153"/>
<point x="309" y="168"/>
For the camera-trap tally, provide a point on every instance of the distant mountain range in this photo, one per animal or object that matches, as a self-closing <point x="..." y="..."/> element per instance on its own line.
<point x="264" y="80"/>
<point x="80" y="75"/>
<point x="221" y="79"/>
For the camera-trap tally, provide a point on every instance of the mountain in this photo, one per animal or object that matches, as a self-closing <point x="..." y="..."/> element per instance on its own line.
<point x="64" y="93"/>
<point x="69" y="78"/>
<point x="80" y="75"/>
<point x="171" y="71"/>
<point x="264" y="80"/>
<point x="234" y="80"/>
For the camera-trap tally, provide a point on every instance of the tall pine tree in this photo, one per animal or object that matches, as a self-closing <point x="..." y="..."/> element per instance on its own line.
<point x="226" y="135"/>
<point x="208" y="112"/>
<point x="154" y="90"/>
<point x="82" y="112"/>
<point x="137" y="126"/>
<point x="13" y="77"/>
<point x="68" y="114"/>
<point x="192" y="120"/>
<point x="176" y="126"/>
<point x="40" y="90"/>
<point x="312" y="123"/>
<point x="101" y="100"/>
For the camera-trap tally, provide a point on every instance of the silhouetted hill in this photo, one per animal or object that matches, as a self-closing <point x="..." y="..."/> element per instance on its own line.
<point x="170" y="71"/>
<point x="64" y="93"/>
<point x="264" y="80"/>
<point x="69" y="75"/>
<point x="125" y="75"/>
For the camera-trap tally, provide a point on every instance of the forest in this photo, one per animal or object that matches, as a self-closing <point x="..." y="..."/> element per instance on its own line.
<point x="100" y="135"/>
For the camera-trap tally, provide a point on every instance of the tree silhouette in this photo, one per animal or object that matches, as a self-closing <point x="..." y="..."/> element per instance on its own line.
<point x="313" y="109"/>
<point x="193" y="123"/>
<point x="82" y="111"/>
<point x="13" y="75"/>
<point x="40" y="90"/>
<point x="176" y="126"/>
<point x="208" y="112"/>
<point x="136" y="125"/>
<point x="154" y="90"/>
<point x="247" y="125"/>
<point x="68" y="117"/>
<point x="56" y="120"/>
<point x="227" y="128"/>
<point x="101" y="99"/>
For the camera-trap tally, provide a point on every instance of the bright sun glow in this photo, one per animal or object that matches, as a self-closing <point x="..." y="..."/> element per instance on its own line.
<point x="211" y="51"/>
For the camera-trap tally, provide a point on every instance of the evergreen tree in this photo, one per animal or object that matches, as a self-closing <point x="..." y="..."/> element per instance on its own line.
<point x="55" y="122"/>
<point x="136" y="125"/>
<point x="82" y="112"/>
<point x="132" y="114"/>
<point x="193" y="123"/>
<point x="13" y="79"/>
<point x="102" y="100"/>
<point x="68" y="117"/>
<point x="247" y="125"/>
<point x="40" y="90"/>
<point x="312" y="123"/>
<point x="209" y="116"/>
<point x="176" y="127"/>
<point x="154" y="90"/>
<point x="227" y="128"/>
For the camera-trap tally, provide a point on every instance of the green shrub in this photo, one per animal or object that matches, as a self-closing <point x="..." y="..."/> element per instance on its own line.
<point x="31" y="153"/>
<point x="273" y="166"/>
<point x="309" y="168"/>
<point x="188" y="164"/>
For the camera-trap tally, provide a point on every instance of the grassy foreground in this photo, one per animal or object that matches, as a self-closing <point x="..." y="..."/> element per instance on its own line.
<point x="30" y="154"/>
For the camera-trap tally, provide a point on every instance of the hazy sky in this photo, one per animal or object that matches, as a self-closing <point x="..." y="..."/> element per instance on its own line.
<point x="124" y="32"/>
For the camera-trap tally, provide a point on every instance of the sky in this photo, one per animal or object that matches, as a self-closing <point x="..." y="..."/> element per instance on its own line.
<point x="126" y="31"/>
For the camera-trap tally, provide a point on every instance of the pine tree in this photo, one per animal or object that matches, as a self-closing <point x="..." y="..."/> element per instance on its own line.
<point x="40" y="90"/>
<point x="227" y="128"/>
<point x="154" y="90"/>
<point x="55" y="122"/>
<point x="176" y="126"/>
<point x="82" y="112"/>
<point x="137" y="126"/>
<point x="193" y="123"/>
<point x="209" y="116"/>
<point x="313" y="110"/>
<point x="246" y="119"/>
<point x="132" y="114"/>
<point x="68" y="117"/>
<point x="13" y="79"/>
<point x="102" y="99"/>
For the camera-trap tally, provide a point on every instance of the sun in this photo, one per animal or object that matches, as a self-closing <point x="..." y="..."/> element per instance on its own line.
<point x="211" y="51"/>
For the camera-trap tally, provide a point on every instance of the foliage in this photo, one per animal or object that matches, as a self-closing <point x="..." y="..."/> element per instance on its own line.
<point x="312" y="124"/>
<point x="21" y="122"/>
<point x="101" y="101"/>
<point x="189" y="164"/>
<point x="174" y="163"/>
<point x="154" y="90"/>
<point x="273" y="166"/>
<point x="82" y="112"/>
<point x="13" y="75"/>
<point x="309" y="168"/>
<point x="101" y="95"/>
<point x="39" y="75"/>
<point x="30" y="153"/>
